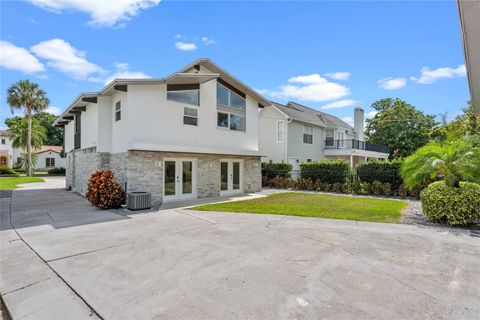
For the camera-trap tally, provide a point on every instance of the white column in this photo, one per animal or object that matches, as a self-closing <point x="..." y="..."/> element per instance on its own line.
<point x="351" y="161"/>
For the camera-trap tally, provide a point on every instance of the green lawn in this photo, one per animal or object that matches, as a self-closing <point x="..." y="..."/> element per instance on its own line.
<point x="317" y="206"/>
<point x="7" y="183"/>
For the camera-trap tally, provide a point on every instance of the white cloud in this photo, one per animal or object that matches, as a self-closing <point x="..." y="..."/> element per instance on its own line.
<point x="263" y="91"/>
<point x="123" y="72"/>
<point x="348" y="120"/>
<point x="62" y="56"/>
<point x="371" y="114"/>
<point x="54" y="110"/>
<point x="208" y="41"/>
<point x="103" y="13"/>
<point x="19" y="59"/>
<point x="339" y="75"/>
<point x="392" y="83"/>
<point x="428" y="75"/>
<point x="185" y="46"/>
<point x="339" y="104"/>
<point x="311" y="87"/>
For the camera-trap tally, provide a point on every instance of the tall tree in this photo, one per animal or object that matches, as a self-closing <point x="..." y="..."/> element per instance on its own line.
<point x="28" y="96"/>
<point x="19" y="133"/>
<point x="400" y="126"/>
<point x="54" y="134"/>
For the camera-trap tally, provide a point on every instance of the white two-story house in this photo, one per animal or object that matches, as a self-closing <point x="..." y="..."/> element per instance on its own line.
<point x="296" y="134"/>
<point x="191" y="134"/>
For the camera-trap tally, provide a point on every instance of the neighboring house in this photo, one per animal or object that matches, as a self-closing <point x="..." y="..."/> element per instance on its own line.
<point x="48" y="157"/>
<point x="296" y="134"/>
<point x="191" y="134"/>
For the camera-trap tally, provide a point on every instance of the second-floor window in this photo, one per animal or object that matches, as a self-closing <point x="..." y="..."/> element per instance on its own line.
<point x="228" y="97"/>
<point x="3" y="141"/>
<point x="307" y="134"/>
<point x="231" y="121"/>
<point x="77" y="134"/>
<point x="184" y="93"/>
<point x="329" y="138"/>
<point x="118" y="111"/>
<point x="190" y="116"/>
<point x="49" y="162"/>
<point x="280" y="131"/>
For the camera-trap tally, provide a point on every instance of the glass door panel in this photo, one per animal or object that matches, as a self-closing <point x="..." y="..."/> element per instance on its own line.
<point x="224" y="176"/>
<point x="187" y="177"/>
<point x="236" y="175"/>
<point x="170" y="177"/>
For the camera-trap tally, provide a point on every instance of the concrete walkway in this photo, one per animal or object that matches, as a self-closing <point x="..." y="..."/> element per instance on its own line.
<point x="183" y="264"/>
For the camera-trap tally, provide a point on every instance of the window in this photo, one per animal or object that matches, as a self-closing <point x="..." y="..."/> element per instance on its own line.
<point x="19" y="161"/>
<point x="222" y="120"/>
<point x="280" y="131"/>
<point x="309" y="160"/>
<point x="190" y="116"/>
<point x="3" y="141"/>
<point x="49" y="162"/>
<point x="118" y="111"/>
<point x="237" y="122"/>
<point x="229" y="98"/>
<point x="308" y="134"/>
<point x="340" y="138"/>
<point x="77" y="135"/>
<point x="329" y="138"/>
<point x="184" y="93"/>
<point x="232" y="121"/>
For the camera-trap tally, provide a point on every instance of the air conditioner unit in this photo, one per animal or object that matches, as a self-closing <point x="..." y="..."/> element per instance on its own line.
<point x="137" y="200"/>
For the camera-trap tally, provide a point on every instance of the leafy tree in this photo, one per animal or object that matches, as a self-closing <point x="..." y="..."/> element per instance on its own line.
<point x="400" y="126"/>
<point x="466" y="124"/>
<point x="54" y="135"/>
<point x="452" y="161"/>
<point x="28" y="96"/>
<point x="19" y="133"/>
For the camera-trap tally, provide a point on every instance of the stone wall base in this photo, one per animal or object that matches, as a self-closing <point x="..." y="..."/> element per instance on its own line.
<point x="143" y="171"/>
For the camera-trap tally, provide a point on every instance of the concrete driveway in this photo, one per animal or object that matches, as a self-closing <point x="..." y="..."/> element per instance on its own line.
<point x="182" y="264"/>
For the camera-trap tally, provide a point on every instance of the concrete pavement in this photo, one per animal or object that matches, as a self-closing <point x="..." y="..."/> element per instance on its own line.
<point x="183" y="264"/>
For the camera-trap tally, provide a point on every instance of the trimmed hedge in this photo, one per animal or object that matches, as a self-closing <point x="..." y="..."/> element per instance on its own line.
<point x="382" y="171"/>
<point x="56" y="172"/>
<point x="326" y="171"/>
<point x="272" y="170"/>
<point x="452" y="206"/>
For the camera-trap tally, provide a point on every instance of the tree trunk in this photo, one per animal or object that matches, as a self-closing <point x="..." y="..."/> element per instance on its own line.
<point x="29" y="143"/>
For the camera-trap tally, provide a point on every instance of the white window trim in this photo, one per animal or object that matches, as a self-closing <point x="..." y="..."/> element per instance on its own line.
<point x="184" y="103"/>
<point x="304" y="127"/>
<point x="229" y="99"/>
<point x="282" y="122"/>
<point x="228" y="126"/>
<point x="189" y="116"/>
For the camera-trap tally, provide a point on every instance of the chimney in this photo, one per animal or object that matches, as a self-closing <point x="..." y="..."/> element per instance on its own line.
<point x="358" y="122"/>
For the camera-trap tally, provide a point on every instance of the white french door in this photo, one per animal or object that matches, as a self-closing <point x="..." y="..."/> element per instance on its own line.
<point x="231" y="176"/>
<point x="179" y="179"/>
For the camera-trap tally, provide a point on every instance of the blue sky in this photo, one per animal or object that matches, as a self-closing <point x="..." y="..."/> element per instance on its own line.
<point x="333" y="56"/>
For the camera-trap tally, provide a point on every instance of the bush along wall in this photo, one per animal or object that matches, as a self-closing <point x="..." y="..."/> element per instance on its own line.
<point x="272" y="170"/>
<point x="382" y="171"/>
<point x="326" y="171"/>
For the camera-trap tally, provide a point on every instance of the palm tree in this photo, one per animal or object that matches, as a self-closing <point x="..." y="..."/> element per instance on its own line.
<point x="19" y="134"/>
<point x="452" y="161"/>
<point x="28" y="96"/>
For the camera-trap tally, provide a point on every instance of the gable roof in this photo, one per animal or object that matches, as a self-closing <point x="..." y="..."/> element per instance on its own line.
<point x="301" y="113"/>
<point x="177" y="77"/>
<point x="45" y="148"/>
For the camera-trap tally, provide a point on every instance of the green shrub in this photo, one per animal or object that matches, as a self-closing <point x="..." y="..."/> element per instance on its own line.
<point x="6" y="171"/>
<point x="383" y="171"/>
<point x="347" y="187"/>
<point x="326" y="171"/>
<point x="386" y="189"/>
<point x="452" y="206"/>
<point x="376" y="188"/>
<point x="281" y="183"/>
<point x="271" y="170"/>
<point x="56" y="171"/>
<point x="337" y="187"/>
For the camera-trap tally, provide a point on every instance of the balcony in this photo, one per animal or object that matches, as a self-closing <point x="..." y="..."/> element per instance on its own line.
<point x="355" y="144"/>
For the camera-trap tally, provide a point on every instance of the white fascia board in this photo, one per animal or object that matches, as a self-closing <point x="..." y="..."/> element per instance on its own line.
<point x="191" y="149"/>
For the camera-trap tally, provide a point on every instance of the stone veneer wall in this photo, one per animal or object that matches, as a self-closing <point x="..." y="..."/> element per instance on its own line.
<point x="143" y="171"/>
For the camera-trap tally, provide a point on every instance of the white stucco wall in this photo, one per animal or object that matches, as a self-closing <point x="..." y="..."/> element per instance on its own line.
<point x="89" y="126"/>
<point x="268" y="145"/>
<point x="68" y="136"/>
<point x="297" y="149"/>
<point x="104" y="124"/>
<point x="41" y="160"/>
